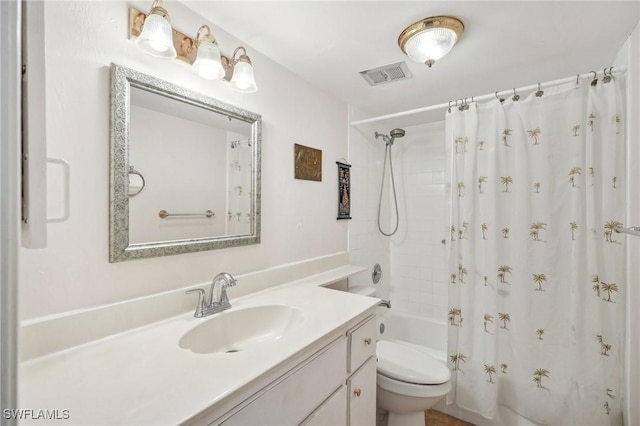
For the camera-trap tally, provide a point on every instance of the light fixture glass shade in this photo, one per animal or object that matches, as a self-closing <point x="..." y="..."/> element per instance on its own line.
<point x="156" y="37"/>
<point x="243" y="79"/>
<point x="430" y="45"/>
<point x="430" y="39"/>
<point x="207" y="63"/>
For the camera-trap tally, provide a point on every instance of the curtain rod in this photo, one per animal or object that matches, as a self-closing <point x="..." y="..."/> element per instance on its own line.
<point x="485" y="97"/>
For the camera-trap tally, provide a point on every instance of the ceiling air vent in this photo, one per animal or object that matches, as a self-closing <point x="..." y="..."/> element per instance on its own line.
<point x="386" y="74"/>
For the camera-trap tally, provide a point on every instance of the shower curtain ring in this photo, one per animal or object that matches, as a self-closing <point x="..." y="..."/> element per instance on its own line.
<point x="595" y="78"/>
<point x="607" y="76"/>
<point x="515" y="97"/>
<point x="499" y="98"/>
<point x="449" y="110"/>
<point x="577" y="79"/>
<point x="461" y="107"/>
<point x="539" y="93"/>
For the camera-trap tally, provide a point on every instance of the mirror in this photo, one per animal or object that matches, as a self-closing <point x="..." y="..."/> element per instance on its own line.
<point x="196" y="181"/>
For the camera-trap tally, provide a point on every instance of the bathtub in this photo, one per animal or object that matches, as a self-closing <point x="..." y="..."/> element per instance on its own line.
<point x="425" y="334"/>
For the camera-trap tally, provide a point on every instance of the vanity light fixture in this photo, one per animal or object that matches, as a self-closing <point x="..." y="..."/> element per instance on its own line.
<point x="241" y="70"/>
<point x="207" y="63"/>
<point x="156" y="37"/>
<point x="430" y="39"/>
<point x="202" y="53"/>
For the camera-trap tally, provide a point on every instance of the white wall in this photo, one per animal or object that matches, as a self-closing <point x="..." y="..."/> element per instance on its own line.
<point x="298" y="217"/>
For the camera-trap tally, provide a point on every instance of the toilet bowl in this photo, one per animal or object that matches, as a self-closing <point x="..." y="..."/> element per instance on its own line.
<point x="409" y="382"/>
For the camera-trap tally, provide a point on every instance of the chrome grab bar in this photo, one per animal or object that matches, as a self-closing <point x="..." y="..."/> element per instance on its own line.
<point x="163" y="214"/>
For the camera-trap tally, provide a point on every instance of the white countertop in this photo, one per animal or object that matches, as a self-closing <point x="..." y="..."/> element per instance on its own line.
<point x="143" y="377"/>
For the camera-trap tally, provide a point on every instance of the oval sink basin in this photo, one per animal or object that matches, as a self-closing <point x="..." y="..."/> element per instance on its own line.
<point x="238" y="330"/>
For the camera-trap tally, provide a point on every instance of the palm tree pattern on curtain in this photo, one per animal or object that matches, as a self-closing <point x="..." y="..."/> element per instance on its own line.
<point x="239" y="186"/>
<point x="538" y="279"/>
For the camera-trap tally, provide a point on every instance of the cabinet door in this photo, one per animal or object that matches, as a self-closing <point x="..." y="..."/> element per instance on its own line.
<point x="362" y="344"/>
<point x="362" y="395"/>
<point x="292" y="399"/>
<point x="332" y="412"/>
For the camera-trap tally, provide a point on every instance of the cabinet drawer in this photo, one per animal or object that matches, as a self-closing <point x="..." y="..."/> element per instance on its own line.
<point x="332" y="412"/>
<point x="362" y="395"/>
<point x="291" y="399"/>
<point x="362" y="344"/>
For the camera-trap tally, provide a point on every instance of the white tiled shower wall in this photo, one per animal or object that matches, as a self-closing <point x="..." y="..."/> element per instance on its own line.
<point x="367" y="246"/>
<point x="413" y="260"/>
<point x="418" y="257"/>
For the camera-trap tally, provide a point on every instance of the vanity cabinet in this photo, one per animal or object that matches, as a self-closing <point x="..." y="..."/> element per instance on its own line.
<point x="290" y="399"/>
<point x="361" y="383"/>
<point x="332" y="412"/>
<point x="336" y="385"/>
<point x="362" y="395"/>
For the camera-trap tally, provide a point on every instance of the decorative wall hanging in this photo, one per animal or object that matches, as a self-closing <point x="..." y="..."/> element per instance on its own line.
<point x="344" y="190"/>
<point x="308" y="163"/>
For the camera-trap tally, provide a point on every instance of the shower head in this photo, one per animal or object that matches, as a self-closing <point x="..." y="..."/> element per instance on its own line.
<point x="396" y="133"/>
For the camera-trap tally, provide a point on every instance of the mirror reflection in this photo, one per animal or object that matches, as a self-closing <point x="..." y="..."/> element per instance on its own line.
<point x="193" y="161"/>
<point x="197" y="160"/>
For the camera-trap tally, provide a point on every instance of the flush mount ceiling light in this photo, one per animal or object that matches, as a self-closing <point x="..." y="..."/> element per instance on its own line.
<point x="430" y="39"/>
<point x="154" y="35"/>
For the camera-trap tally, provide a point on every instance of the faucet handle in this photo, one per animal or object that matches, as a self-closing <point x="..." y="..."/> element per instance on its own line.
<point x="199" y="313"/>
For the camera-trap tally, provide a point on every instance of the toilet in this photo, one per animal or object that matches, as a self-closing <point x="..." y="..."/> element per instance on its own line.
<point x="409" y="382"/>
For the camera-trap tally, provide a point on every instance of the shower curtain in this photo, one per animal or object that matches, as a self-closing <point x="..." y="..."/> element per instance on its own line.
<point x="537" y="283"/>
<point x="239" y="155"/>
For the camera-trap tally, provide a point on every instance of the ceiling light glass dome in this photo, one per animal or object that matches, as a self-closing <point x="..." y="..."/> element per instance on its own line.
<point x="430" y="39"/>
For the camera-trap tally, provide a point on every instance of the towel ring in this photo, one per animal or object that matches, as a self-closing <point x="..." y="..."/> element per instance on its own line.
<point x="136" y="182"/>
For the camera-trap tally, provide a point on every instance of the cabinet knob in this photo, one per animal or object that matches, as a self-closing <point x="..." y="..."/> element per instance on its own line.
<point x="367" y="340"/>
<point x="357" y="392"/>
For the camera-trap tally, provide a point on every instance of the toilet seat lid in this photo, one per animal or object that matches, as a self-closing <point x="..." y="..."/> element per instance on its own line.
<point x="407" y="364"/>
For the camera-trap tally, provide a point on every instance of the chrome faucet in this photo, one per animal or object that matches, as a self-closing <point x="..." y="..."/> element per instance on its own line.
<point x="221" y="301"/>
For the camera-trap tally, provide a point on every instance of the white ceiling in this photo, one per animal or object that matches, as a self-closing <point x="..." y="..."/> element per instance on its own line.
<point x="506" y="44"/>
